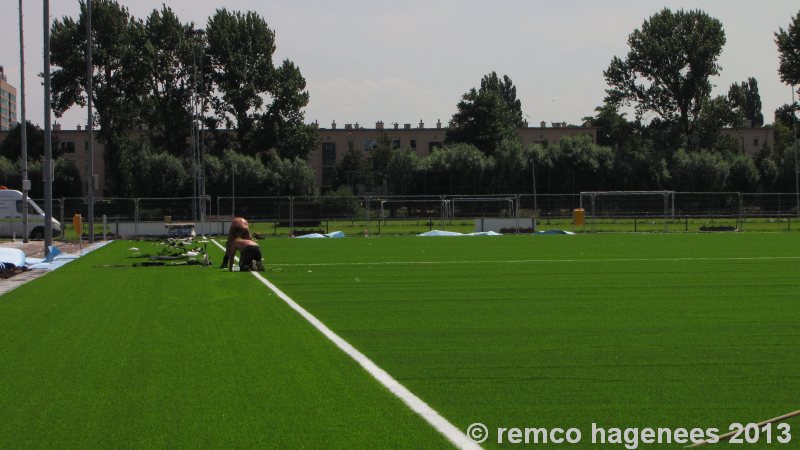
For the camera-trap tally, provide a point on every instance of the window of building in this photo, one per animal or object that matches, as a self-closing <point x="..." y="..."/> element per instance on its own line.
<point x="433" y="146"/>
<point x="370" y="144"/>
<point x="755" y="142"/>
<point x="68" y="147"/>
<point x="328" y="153"/>
<point x="413" y="144"/>
<point x="396" y="144"/>
<point x="328" y="175"/>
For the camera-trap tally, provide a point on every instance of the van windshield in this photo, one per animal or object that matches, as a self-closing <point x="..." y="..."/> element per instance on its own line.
<point x="33" y="208"/>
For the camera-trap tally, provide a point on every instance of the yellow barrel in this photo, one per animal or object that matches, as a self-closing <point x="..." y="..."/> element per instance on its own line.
<point x="578" y="216"/>
<point x="77" y="223"/>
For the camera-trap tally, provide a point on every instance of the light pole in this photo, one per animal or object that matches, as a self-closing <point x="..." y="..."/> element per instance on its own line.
<point x="533" y="184"/>
<point x="48" y="136"/>
<point x="89" y="124"/>
<point x="233" y="189"/>
<point x="26" y="184"/>
<point x="796" y="168"/>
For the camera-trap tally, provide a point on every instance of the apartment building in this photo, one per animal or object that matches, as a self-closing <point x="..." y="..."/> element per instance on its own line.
<point x="336" y="140"/>
<point x="8" y="102"/>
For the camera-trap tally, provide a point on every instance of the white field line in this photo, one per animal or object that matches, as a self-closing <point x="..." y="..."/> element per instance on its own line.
<point x="533" y="261"/>
<point x="442" y="425"/>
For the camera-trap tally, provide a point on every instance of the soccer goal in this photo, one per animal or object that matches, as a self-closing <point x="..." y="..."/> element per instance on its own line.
<point x="622" y="205"/>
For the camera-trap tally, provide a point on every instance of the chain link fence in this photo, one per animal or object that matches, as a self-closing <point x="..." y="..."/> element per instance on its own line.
<point x="685" y="211"/>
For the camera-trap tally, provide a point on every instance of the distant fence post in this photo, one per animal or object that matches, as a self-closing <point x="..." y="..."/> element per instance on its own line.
<point x="63" y="235"/>
<point x="136" y="217"/>
<point x="291" y="214"/>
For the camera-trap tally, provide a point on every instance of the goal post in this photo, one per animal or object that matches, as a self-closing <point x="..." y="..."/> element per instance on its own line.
<point x="628" y="205"/>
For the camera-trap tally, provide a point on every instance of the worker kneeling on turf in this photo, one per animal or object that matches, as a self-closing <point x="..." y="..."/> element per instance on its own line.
<point x="239" y="229"/>
<point x="250" y="258"/>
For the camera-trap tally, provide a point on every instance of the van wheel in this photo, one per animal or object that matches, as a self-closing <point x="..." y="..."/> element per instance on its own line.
<point x="37" y="233"/>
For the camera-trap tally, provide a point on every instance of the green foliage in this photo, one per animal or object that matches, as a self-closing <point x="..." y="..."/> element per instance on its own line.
<point x="249" y="173"/>
<point x="744" y="175"/>
<point x="9" y="174"/>
<point x="401" y="169"/>
<point x="66" y="179"/>
<point x="575" y="164"/>
<point x="11" y="147"/>
<point x="715" y="114"/>
<point x="699" y="171"/>
<point x="174" y="53"/>
<point x="120" y="74"/>
<point x="282" y="126"/>
<point x="510" y="160"/>
<point x="459" y="168"/>
<point x="668" y="66"/>
<point x="507" y="91"/>
<point x="240" y="47"/>
<point x="353" y="169"/>
<point x="145" y="72"/>
<point x="487" y="116"/>
<point x="746" y="101"/>
<point x="788" y="42"/>
<point x="285" y="176"/>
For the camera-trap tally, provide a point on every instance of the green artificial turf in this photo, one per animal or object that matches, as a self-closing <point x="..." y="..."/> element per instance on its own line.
<point x="180" y="357"/>
<point x="647" y="330"/>
<point x="625" y="330"/>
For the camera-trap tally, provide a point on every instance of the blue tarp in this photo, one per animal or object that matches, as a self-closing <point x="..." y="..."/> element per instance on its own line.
<point x="56" y="259"/>
<point x="554" y="232"/>
<point x="455" y="233"/>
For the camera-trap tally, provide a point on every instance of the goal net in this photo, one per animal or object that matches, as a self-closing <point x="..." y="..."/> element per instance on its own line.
<point x="628" y="205"/>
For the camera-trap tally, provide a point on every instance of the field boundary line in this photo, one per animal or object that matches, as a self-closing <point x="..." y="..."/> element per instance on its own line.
<point x="416" y="404"/>
<point x="526" y="261"/>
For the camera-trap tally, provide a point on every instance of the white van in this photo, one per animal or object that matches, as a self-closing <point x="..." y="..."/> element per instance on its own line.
<point x="11" y="217"/>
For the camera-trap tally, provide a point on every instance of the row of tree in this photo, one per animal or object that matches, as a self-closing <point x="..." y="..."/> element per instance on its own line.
<point x="574" y="164"/>
<point x="665" y="76"/>
<point x="157" y="80"/>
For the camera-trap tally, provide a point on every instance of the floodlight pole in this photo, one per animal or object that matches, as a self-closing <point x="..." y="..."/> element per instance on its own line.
<point x="23" y="130"/>
<point x="89" y="124"/>
<point x="533" y="183"/>
<point x="796" y="167"/>
<point x="48" y="136"/>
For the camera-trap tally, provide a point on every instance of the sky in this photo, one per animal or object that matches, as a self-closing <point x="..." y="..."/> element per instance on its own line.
<point x="412" y="60"/>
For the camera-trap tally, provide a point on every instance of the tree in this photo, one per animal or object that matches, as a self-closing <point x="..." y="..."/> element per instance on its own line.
<point x="463" y="166"/>
<point x="574" y="165"/>
<point x="699" y="171"/>
<point x="510" y="163"/>
<point x="788" y="42"/>
<point x="240" y="47"/>
<point x="507" y="91"/>
<point x="668" y="66"/>
<point x="746" y="101"/>
<point x="483" y="119"/>
<point x="120" y="61"/>
<point x="172" y="49"/>
<point x="282" y="126"/>
<point x="353" y="169"/>
<point x="66" y="179"/>
<point x="400" y="170"/>
<point x="11" y="146"/>
<point x="716" y="114"/>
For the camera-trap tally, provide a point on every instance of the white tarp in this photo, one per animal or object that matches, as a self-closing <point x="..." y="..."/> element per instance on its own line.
<point x="332" y="234"/>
